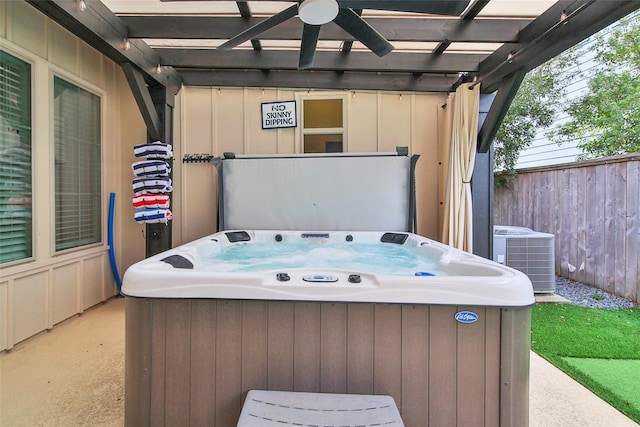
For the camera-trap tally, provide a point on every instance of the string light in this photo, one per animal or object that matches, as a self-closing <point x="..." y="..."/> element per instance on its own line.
<point x="353" y="94"/>
<point x="82" y="6"/>
<point x="158" y="69"/>
<point x="563" y="18"/>
<point x="127" y="44"/>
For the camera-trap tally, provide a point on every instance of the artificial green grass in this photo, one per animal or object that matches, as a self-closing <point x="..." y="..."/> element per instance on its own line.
<point x="562" y="333"/>
<point x="620" y="376"/>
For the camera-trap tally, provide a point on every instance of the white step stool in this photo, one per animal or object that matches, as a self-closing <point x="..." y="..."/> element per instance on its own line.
<point x="265" y="408"/>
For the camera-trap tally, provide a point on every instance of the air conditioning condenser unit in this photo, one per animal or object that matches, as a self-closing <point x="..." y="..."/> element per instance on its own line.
<point x="528" y="251"/>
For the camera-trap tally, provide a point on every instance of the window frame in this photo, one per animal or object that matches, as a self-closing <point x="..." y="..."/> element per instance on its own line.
<point x="81" y="84"/>
<point x="316" y="96"/>
<point x="32" y="99"/>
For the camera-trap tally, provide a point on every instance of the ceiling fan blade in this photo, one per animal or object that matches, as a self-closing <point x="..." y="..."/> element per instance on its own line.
<point x="438" y="7"/>
<point x="348" y="44"/>
<point x="310" y="35"/>
<point x="260" y="28"/>
<point x="358" y="28"/>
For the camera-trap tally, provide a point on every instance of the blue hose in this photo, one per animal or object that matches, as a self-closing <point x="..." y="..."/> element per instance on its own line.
<point x="112" y="255"/>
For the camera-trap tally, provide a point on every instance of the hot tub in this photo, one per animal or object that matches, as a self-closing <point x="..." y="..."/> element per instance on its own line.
<point x="444" y="332"/>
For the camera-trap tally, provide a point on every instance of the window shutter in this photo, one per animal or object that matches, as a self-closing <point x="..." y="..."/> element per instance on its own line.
<point x="15" y="159"/>
<point x="78" y="196"/>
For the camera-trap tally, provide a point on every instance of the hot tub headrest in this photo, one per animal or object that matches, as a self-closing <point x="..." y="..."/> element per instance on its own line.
<point x="238" y="236"/>
<point x="178" y="261"/>
<point x="398" y="238"/>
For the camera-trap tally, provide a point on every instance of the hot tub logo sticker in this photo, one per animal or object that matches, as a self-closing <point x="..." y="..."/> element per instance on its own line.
<point x="466" y="316"/>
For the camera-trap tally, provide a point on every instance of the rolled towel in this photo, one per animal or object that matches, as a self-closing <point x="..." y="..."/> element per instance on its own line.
<point x="151" y="185"/>
<point x="151" y="216"/>
<point x="156" y="150"/>
<point x="148" y="201"/>
<point x="151" y="168"/>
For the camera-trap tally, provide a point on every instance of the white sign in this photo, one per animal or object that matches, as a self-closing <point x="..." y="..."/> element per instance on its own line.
<point x="279" y="115"/>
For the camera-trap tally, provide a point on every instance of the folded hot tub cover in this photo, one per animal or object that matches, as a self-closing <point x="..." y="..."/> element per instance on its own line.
<point x="151" y="185"/>
<point x="153" y="216"/>
<point x="156" y="150"/>
<point x="151" y="168"/>
<point x="148" y="201"/>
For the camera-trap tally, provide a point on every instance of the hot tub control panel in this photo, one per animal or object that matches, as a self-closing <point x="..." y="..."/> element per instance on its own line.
<point x="335" y="279"/>
<point x="320" y="278"/>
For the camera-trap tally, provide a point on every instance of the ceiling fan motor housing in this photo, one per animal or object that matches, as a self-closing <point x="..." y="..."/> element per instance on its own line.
<point x="318" y="12"/>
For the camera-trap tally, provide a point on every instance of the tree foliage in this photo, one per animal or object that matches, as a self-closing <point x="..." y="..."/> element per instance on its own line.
<point x="606" y="120"/>
<point x="534" y="107"/>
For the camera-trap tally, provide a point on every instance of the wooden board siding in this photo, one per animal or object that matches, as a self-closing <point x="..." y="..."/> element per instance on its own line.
<point x="214" y="120"/>
<point x="202" y="375"/>
<point x="137" y="374"/>
<point x="360" y="345"/>
<point x="632" y="228"/>
<point x="306" y="353"/>
<point x="192" y="362"/>
<point x="38" y="294"/>
<point x="415" y="363"/>
<point x="514" y="366"/>
<point x="593" y="209"/>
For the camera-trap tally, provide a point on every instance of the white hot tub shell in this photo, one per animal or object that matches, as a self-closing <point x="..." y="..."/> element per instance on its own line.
<point x="451" y="348"/>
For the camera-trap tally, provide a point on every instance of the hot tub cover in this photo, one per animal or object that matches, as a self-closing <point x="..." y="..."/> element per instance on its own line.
<point x="365" y="192"/>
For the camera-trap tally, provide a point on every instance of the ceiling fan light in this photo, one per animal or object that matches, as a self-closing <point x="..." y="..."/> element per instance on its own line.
<point x="318" y="12"/>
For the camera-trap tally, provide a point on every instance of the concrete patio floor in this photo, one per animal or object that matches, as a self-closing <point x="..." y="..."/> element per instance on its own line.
<point x="73" y="375"/>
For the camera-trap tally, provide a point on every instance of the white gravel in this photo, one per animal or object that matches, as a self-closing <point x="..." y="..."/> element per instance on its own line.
<point x="588" y="296"/>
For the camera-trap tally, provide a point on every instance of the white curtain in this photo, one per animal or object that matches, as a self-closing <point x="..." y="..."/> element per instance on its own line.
<point x="457" y="226"/>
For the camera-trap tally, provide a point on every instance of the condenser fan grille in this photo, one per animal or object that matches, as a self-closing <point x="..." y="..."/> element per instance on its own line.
<point x="534" y="257"/>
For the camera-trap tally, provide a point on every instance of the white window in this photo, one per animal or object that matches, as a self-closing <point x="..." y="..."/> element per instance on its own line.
<point x="78" y="188"/>
<point x="15" y="159"/>
<point x="323" y="125"/>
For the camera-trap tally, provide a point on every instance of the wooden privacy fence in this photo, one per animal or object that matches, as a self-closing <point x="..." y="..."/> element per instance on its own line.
<point x="592" y="208"/>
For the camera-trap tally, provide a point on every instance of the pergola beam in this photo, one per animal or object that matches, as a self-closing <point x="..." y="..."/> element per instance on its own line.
<point x="499" y="107"/>
<point x="145" y="103"/>
<point x="486" y="30"/>
<point x="245" y="13"/>
<point x="104" y="31"/>
<point x="319" y="80"/>
<point x="324" y="60"/>
<point x="548" y="36"/>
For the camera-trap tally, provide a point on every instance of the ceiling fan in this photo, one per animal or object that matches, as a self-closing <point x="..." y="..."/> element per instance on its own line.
<point x="315" y="13"/>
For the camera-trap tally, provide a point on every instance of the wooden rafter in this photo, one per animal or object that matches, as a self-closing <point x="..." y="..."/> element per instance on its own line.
<point x="99" y="27"/>
<point x="548" y="36"/>
<point x="245" y="13"/>
<point x="334" y="61"/>
<point x="320" y="80"/>
<point x="533" y="40"/>
<point x="393" y="29"/>
<point x="145" y="102"/>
